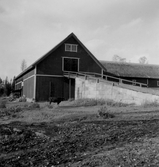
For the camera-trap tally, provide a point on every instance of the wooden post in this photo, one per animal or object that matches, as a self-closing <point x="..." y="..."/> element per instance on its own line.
<point x="34" y="93"/>
<point x="102" y="73"/>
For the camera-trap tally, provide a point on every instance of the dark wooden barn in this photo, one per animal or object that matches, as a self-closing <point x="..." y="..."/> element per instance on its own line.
<point x="45" y="78"/>
<point x="50" y="75"/>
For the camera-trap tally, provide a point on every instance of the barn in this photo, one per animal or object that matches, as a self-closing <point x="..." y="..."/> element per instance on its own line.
<point x="146" y="74"/>
<point x="47" y="76"/>
<point x="54" y="74"/>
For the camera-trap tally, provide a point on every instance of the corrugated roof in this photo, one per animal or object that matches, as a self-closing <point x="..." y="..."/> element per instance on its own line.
<point x="123" y="69"/>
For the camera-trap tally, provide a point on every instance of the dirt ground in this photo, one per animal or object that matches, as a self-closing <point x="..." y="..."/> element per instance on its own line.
<point x="61" y="136"/>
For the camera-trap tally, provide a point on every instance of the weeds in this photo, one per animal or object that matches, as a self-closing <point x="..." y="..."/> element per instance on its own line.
<point x="49" y="106"/>
<point x="11" y="111"/>
<point x="88" y="102"/>
<point x="84" y="102"/>
<point x="34" y="106"/>
<point x="22" y="99"/>
<point x="112" y="103"/>
<point x="3" y="104"/>
<point x="95" y="102"/>
<point x="147" y="104"/>
<point x="104" y="113"/>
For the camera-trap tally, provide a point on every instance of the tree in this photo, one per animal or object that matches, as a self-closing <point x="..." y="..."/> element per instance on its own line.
<point x="118" y="58"/>
<point x="23" y="65"/>
<point x="143" y="60"/>
<point x="1" y="81"/>
<point x="1" y="87"/>
<point x="6" y="83"/>
<point x="13" y="84"/>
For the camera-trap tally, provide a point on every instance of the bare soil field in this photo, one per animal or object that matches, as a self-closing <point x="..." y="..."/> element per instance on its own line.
<point x="69" y="136"/>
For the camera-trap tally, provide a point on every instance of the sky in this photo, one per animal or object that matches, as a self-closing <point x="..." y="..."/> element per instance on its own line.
<point x="30" y="28"/>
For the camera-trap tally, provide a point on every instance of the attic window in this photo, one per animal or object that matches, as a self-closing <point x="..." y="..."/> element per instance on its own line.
<point x="71" y="47"/>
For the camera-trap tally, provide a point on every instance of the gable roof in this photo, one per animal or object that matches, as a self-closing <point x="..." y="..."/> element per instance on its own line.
<point x="53" y="49"/>
<point x="123" y="69"/>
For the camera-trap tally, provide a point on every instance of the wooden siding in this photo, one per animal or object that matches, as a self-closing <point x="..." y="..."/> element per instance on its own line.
<point x="52" y="65"/>
<point x="140" y="80"/>
<point x="19" y="80"/>
<point x="152" y="82"/>
<point x="67" y="93"/>
<point x="28" y="88"/>
<point x="18" y="86"/>
<point x="43" y="88"/>
<point x="53" y="86"/>
<point x="30" y="73"/>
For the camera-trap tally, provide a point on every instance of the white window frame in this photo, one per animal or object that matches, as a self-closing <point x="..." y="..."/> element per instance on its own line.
<point x="69" y="58"/>
<point x="71" y="47"/>
<point x="157" y="83"/>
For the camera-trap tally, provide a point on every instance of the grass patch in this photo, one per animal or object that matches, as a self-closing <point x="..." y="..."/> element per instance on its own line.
<point x="3" y="103"/>
<point x="94" y="102"/>
<point x="34" y="106"/>
<point x="105" y="113"/>
<point x="49" y="106"/>
<point x="112" y="103"/>
<point x="147" y="104"/>
<point x="84" y="102"/>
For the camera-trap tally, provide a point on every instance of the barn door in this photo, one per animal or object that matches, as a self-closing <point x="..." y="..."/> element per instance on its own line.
<point x="69" y="88"/>
<point x="51" y="89"/>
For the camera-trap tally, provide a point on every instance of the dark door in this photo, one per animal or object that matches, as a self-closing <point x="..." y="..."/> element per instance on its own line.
<point x="51" y="89"/>
<point x="69" y="88"/>
<point x="56" y="89"/>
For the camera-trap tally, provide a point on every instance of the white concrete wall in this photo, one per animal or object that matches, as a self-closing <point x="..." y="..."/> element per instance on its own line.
<point x="106" y="90"/>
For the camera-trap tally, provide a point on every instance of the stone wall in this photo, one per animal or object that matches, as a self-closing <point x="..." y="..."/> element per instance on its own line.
<point x="91" y="88"/>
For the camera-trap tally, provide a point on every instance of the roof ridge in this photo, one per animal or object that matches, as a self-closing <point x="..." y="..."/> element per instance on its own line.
<point x="131" y="63"/>
<point x="58" y="45"/>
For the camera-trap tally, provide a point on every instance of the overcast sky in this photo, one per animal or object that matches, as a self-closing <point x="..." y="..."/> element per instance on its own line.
<point x="30" y="28"/>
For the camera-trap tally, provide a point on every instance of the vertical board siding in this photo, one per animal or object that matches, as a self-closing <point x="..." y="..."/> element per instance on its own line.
<point x="152" y="82"/>
<point x="66" y="88"/>
<point x="19" y="80"/>
<point x="44" y="88"/>
<point x="18" y="86"/>
<point x="28" y="88"/>
<point x="54" y="87"/>
<point x="30" y="73"/>
<point x="52" y="64"/>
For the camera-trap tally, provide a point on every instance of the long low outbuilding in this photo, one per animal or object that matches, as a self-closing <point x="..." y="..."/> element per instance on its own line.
<point x="138" y="73"/>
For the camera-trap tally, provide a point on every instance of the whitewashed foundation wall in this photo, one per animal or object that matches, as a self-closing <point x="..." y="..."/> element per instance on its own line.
<point x="90" y="88"/>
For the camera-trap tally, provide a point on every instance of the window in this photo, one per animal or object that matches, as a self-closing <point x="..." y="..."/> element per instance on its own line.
<point x="70" y="64"/>
<point x="71" y="47"/>
<point x="157" y="83"/>
<point x="134" y="82"/>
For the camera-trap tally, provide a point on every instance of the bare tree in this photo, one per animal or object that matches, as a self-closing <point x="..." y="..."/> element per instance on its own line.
<point x="143" y="60"/>
<point x="23" y="65"/>
<point x="118" y="58"/>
